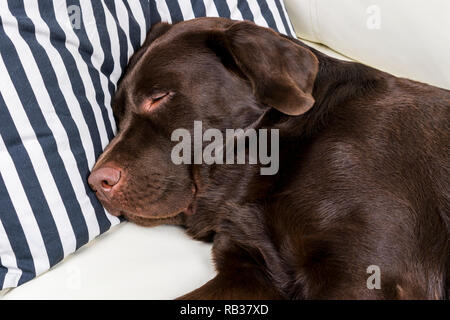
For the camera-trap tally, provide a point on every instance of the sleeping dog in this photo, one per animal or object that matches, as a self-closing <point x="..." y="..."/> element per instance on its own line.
<point x="359" y="206"/>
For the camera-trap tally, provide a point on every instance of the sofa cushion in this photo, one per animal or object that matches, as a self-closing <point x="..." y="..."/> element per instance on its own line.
<point x="59" y="65"/>
<point x="408" y="38"/>
<point x="266" y="13"/>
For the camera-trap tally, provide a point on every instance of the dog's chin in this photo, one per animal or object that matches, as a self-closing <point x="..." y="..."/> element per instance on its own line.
<point x="156" y="215"/>
<point x="152" y="220"/>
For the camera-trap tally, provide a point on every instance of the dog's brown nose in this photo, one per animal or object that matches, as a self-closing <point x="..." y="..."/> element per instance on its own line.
<point x="104" y="179"/>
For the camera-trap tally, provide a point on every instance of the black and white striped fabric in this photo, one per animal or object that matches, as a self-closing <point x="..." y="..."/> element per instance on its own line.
<point x="266" y="13"/>
<point x="59" y="65"/>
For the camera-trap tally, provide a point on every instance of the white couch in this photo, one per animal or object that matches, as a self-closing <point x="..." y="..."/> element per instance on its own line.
<point x="412" y="39"/>
<point x="127" y="262"/>
<point x="408" y="38"/>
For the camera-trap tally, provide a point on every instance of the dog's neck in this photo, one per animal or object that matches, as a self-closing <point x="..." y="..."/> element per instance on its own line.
<point x="336" y="83"/>
<point x="339" y="81"/>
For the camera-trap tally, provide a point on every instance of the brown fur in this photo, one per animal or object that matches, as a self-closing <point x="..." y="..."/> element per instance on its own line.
<point x="364" y="165"/>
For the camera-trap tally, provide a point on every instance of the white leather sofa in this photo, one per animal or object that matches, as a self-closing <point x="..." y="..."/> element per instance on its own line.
<point x="409" y="38"/>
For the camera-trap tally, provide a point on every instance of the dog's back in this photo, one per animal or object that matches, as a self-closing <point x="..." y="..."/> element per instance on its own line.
<point x="372" y="186"/>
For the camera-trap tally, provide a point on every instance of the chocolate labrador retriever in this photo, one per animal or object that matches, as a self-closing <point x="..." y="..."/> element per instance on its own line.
<point x="360" y="205"/>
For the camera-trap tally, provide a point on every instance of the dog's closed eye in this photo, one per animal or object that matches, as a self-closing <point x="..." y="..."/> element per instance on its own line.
<point x="156" y="100"/>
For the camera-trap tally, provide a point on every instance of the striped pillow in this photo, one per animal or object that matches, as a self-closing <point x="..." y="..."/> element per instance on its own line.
<point x="59" y="65"/>
<point x="266" y="13"/>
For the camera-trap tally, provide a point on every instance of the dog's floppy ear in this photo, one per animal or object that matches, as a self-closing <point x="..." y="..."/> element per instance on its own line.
<point x="281" y="72"/>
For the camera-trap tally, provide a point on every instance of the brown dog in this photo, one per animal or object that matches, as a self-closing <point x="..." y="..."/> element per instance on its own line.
<point x="363" y="177"/>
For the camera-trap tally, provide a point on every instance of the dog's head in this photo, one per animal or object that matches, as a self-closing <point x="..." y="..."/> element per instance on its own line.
<point x="218" y="71"/>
